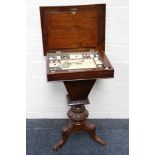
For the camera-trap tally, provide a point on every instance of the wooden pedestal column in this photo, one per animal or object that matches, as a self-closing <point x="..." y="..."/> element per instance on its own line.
<point x="77" y="97"/>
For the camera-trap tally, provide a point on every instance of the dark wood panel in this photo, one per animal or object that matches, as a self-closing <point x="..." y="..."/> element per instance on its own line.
<point x="73" y="18"/>
<point x="79" y="90"/>
<point x="66" y="21"/>
<point x="101" y="19"/>
<point x="72" y="39"/>
<point x="89" y="74"/>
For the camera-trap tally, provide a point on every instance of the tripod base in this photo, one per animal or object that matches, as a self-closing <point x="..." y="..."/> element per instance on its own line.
<point x="77" y="124"/>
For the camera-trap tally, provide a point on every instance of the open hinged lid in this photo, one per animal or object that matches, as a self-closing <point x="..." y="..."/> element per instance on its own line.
<point x="72" y="27"/>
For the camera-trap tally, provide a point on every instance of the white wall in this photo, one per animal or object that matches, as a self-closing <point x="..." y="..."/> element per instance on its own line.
<point x="109" y="97"/>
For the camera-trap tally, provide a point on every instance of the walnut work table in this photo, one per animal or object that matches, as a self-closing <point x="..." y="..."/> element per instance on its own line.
<point x="75" y="29"/>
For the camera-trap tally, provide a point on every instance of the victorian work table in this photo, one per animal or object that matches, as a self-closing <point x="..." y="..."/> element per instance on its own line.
<point x="74" y="45"/>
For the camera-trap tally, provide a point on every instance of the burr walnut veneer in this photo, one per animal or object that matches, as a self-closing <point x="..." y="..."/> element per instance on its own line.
<point x="74" y="29"/>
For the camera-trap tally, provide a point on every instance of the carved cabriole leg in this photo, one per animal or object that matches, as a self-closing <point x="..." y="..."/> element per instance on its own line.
<point x="91" y="128"/>
<point x="66" y="131"/>
<point x="77" y="115"/>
